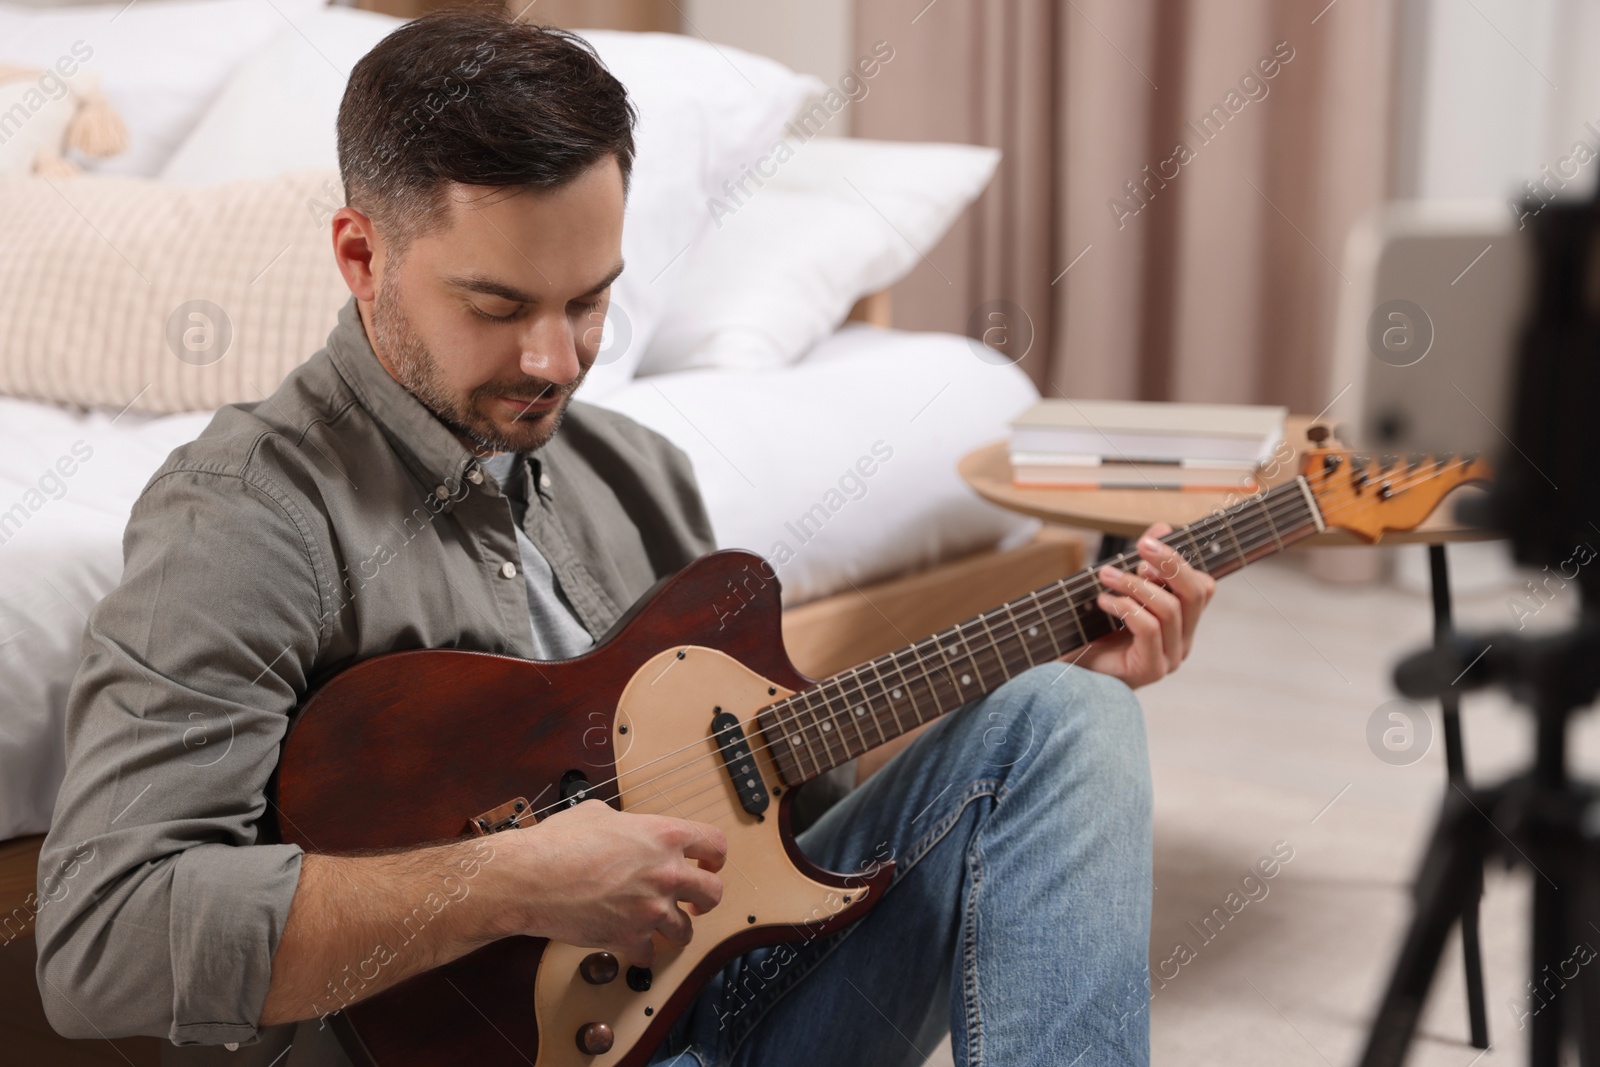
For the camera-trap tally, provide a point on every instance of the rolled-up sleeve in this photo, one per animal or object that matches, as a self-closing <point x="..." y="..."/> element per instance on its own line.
<point x="160" y="910"/>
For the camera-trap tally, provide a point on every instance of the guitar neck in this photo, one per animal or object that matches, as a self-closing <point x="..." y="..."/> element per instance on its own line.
<point x="857" y="710"/>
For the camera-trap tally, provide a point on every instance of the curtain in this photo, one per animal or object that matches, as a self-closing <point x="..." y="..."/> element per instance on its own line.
<point x="1176" y="184"/>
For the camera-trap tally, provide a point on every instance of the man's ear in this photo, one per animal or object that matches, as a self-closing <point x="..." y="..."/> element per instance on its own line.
<point x="359" y="252"/>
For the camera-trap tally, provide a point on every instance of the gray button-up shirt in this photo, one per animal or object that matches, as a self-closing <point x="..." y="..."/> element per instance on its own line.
<point x="335" y="520"/>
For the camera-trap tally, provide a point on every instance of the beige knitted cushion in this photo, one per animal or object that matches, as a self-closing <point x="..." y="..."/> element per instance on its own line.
<point x="126" y="292"/>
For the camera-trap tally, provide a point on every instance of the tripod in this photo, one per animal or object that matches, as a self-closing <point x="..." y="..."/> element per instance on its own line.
<point x="1542" y="818"/>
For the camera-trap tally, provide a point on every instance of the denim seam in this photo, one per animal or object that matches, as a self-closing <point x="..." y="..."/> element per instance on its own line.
<point x="773" y="994"/>
<point x="969" y="960"/>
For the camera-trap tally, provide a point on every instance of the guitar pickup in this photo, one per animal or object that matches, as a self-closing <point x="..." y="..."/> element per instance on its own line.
<point x="747" y="782"/>
<point x="507" y="816"/>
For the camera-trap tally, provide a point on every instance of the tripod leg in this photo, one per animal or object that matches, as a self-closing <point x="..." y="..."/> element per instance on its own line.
<point x="1455" y="853"/>
<point x="1455" y="763"/>
<point x="1588" y="981"/>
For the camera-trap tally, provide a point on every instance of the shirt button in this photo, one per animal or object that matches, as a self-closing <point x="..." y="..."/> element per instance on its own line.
<point x="544" y="481"/>
<point x="475" y="476"/>
<point x="441" y="492"/>
<point x="508" y="569"/>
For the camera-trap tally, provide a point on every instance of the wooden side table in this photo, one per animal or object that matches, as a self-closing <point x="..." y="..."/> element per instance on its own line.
<point x="1122" y="514"/>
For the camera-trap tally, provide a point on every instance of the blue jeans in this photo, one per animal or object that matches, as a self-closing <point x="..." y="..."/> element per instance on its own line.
<point x="1018" y="919"/>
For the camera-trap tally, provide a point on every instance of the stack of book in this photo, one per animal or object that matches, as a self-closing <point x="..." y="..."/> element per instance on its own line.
<point x="1116" y="444"/>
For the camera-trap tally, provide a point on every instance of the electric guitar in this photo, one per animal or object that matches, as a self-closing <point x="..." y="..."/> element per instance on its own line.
<point x="690" y="707"/>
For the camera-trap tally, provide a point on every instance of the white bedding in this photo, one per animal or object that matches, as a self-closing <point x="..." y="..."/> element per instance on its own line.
<point x="775" y="452"/>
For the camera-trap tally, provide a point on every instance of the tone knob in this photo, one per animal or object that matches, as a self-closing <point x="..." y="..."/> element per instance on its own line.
<point x="639" y="979"/>
<point x="598" y="968"/>
<point x="595" y="1038"/>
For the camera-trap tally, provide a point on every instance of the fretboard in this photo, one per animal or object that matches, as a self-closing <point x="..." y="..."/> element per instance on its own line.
<point x="857" y="710"/>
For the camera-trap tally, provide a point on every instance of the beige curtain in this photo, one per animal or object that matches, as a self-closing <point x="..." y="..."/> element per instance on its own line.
<point x="1213" y="275"/>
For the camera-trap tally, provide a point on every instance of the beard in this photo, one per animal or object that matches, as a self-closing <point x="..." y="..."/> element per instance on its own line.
<point x="418" y="371"/>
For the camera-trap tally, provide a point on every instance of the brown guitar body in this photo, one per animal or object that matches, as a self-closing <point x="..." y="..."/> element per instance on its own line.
<point x="406" y="748"/>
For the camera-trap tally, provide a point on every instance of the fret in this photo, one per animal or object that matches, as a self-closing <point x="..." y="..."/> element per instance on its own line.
<point x="1272" y="527"/>
<point x="1198" y="562"/>
<point x="1045" y="622"/>
<point x="856" y="710"/>
<point x="804" y="746"/>
<point x="1099" y="586"/>
<point x="1073" y="603"/>
<point x="1000" y="658"/>
<point x="972" y="658"/>
<point x="1016" y="628"/>
<point x="918" y="676"/>
<point x="826" y="726"/>
<point x="810" y="735"/>
<point x="892" y="695"/>
<point x="867" y="703"/>
<point x="1238" y="549"/>
<point x="950" y="668"/>
<point x="792" y="745"/>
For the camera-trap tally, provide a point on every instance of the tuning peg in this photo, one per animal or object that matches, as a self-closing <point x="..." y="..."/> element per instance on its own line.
<point x="1318" y="434"/>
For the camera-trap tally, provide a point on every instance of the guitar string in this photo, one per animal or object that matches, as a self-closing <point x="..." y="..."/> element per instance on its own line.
<point x="1262" y="507"/>
<point x="1001" y="657"/>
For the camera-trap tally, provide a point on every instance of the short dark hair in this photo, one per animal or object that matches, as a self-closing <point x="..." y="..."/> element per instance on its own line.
<point x="474" y="96"/>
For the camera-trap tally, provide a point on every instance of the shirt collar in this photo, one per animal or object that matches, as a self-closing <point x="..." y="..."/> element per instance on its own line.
<point x="433" y="454"/>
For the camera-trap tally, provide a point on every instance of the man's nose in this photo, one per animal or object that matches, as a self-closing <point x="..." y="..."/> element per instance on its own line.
<point x="549" y="351"/>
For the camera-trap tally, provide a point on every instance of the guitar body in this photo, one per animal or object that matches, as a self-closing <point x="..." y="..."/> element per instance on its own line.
<point x="410" y="747"/>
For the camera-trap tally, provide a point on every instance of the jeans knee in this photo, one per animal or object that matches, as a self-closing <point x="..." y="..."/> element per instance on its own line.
<point x="1085" y="725"/>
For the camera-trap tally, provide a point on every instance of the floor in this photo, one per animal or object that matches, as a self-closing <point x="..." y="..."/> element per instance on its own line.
<point x="1260" y="739"/>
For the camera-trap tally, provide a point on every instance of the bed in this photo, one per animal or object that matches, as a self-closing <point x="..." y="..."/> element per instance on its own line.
<point x="774" y="372"/>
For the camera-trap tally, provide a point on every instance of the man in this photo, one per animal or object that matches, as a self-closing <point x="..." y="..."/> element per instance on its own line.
<point x="407" y="487"/>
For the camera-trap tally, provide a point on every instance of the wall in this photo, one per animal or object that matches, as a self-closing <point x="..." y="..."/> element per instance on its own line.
<point x="810" y="36"/>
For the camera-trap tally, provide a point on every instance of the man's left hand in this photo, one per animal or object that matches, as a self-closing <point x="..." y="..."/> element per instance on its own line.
<point x="1159" y="604"/>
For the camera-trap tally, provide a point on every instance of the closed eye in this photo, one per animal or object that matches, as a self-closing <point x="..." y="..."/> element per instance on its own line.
<point x="495" y="318"/>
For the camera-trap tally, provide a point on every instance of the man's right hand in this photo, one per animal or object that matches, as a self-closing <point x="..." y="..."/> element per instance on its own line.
<point x="596" y="877"/>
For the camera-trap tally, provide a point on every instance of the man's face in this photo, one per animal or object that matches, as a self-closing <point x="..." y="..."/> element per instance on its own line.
<point x="494" y="320"/>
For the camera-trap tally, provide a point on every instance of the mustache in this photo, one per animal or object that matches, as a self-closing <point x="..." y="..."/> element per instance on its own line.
<point x="522" y="391"/>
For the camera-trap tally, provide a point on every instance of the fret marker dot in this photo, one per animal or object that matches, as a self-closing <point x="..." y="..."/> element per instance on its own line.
<point x="860" y="711"/>
<point x="797" y="740"/>
<point x="827" y="726"/>
<point x="966" y="679"/>
<point x="895" y="693"/>
<point x="1033" y="631"/>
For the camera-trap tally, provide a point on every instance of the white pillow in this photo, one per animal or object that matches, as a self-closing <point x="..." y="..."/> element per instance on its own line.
<point x="840" y="219"/>
<point x="160" y="62"/>
<point x="841" y="468"/>
<point x="44" y="127"/>
<point x="704" y="111"/>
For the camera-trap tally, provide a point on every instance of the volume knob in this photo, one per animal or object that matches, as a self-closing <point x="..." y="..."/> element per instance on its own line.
<point x="595" y="1038"/>
<point x="598" y="968"/>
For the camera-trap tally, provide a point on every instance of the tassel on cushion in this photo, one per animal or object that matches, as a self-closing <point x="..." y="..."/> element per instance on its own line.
<point x="52" y="164"/>
<point x="96" y="128"/>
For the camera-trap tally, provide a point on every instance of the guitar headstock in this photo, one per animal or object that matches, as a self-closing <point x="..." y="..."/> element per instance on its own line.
<point x="1369" y="493"/>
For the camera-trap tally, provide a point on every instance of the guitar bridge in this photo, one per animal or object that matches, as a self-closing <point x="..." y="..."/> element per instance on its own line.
<point x="507" y="816"/>
<point x="747" y="782"/>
